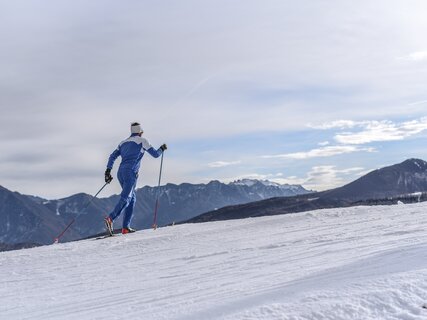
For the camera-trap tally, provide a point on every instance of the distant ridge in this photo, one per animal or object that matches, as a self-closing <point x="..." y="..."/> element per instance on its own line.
<point x="397" y="180"/>
<point x="403" y="178"/>
<point x="31" y="219"/>
<point x="25" y="221"/>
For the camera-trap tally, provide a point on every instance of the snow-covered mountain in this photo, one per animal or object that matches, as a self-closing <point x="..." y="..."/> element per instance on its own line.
<point x="35" y="220"/>
<point x="25" y="222"/>
<point x="32" y="220"/>
<point x="377" y="186"/>
<point x="407" y="177"/>
<point x="263" y="185"/>
<point x="178" y="202"/>
<point x="339" y="264"/>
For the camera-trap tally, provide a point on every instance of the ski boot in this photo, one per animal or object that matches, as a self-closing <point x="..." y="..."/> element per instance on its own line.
<point x="109" y="225"/>
<point x="128" y="230"/>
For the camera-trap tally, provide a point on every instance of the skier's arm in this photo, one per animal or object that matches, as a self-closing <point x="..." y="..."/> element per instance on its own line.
<point x="112" y="158"/>
<point x="153" y="152"/>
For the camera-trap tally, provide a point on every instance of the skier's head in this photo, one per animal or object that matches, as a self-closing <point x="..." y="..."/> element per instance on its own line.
<point x="135" y="127"/>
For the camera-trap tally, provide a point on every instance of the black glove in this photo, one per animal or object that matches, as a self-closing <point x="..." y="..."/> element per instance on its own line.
<point x="108" y="176"/>
<point x="163" y="147"/>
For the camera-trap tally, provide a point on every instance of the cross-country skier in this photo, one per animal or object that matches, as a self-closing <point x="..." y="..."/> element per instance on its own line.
<point x="131" y="150"/>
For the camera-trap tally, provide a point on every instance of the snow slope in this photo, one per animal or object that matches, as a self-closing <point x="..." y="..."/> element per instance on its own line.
<point x="353" y="263"/>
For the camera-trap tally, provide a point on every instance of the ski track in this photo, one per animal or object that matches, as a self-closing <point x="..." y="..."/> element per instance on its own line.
<point x="347" y="263"/>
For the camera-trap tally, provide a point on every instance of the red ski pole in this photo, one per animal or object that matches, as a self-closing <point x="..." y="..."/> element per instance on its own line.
<point x="158" y="194"/>
<point x="56" y="240"/>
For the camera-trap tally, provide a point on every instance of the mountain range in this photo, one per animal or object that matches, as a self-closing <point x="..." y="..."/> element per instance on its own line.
<point x="377" y="187"/>
<point x="27" y="221"/>
<point x="30" y="220"/>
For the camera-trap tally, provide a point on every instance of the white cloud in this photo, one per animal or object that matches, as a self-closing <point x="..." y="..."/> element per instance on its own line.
<point x="327" y="151"/>
<point x="341" y="124"/>
<point x="376" y="131"/>
<point x="324" y="177"/>
<point x="318" y="178"/>
<point x="417" y="103"/>
<point x="373" y="131"/>
<point x="72" y="71"/>
<point x="324" y="143"/>
<point x="221" y="164"/>
<point x="328" y="177"/>
<point x="416" y="56"/>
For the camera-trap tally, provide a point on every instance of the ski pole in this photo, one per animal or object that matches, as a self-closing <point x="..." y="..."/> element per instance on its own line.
<point x="56" y="240"/>
<point x="158" y="195"/>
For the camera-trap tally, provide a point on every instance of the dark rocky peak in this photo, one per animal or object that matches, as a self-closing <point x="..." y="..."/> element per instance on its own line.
<point x="412" y="165"/>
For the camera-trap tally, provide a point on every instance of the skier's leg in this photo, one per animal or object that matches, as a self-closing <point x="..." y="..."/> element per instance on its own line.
<point x="129" y="211"/>
<point x="127" y="183"/>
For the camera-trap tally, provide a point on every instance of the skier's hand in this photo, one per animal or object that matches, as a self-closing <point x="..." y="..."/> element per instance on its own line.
<point x="108" y="176"/>
<point x="163" y="147"/>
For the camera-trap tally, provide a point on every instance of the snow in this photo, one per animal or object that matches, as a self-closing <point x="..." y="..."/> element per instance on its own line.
<point x="352" y="263"/>
<point x="417" y="164"/>
<point x="244" y="182"/>
<point x="266" y="183"/>
<point x="252" y="182"/>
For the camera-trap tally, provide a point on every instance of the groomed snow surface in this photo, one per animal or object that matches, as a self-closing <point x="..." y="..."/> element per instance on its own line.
<point x="353" y="263"/>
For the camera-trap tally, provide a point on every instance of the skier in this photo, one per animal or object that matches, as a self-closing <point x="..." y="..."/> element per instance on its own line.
<point x="131" y="150"/>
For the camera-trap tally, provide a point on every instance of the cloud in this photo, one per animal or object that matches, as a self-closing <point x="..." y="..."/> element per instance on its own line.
<point x="221" y="164"/>
<point x="73" y="72"/>
<point x="340" y="124"/>
<point x="327" y="151"/>
<point x="317" y="178"/>
<point x="417" y="103"/>
<point x="415" y="56"/>
<point x="374" y="131"/>
<point x="324" y="143"/>
<point x="377" y="131"/>
<point x="323" y="177"/>
<point x="327" y="177"/>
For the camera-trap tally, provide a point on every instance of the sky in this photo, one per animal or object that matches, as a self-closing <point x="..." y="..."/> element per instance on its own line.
<point x="316" y="93"/>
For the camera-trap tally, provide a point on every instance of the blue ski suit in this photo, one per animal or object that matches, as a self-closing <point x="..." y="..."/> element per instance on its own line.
<point x="131" y="150"/>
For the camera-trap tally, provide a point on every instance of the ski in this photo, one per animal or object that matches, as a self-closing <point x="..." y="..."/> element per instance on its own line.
<point x="105" y="236"/>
